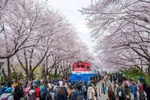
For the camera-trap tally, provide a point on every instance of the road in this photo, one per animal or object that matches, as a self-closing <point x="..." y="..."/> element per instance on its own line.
<point x="101" y="96"/>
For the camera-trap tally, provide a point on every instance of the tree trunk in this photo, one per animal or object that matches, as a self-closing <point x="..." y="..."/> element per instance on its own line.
<point x="26" y="64"/>
<point x="46" y="67"/>
<point x="46" y="72"/>
<point x="43" y="73"/>
<point x="31" y="73"/>
<point x="8" y="69"/>
<point x="56" y="69"/>
<point x="27" y="74"/>
<point x="5" y="75"/>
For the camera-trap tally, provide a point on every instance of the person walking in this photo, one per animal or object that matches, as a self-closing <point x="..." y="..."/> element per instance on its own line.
<point x="133" y="89"/>
<point x="141" y="94"/>
<point x="18" y="92"/>
<point x="120" y="92"/>
<point x="110" y="93"/>
<point x="127" y="91"/>
<point x="31" y="94"/>
<point x="61" y="95"/>
<point x="104" y="86"/>
<point x="90" y="93"/>
<point x="37" y="93"/>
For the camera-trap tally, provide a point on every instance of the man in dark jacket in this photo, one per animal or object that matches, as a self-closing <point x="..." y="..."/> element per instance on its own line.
<point x="148" y="92"/>
<point x="79" y="93"/>
<point x="121" y="92"/>
<point x="120" y="78"/>
<point x="18" y="93"/>
<point x="43" y="92"/>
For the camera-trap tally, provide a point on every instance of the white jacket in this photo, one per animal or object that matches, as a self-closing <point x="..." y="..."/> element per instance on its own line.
<point x="90" y="93"/>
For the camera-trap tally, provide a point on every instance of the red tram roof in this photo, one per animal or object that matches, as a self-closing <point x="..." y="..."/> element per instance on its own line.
<point x="82" y="63"/>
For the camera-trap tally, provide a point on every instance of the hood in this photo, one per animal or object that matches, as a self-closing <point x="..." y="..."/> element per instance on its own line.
<point x="31" y="92"/>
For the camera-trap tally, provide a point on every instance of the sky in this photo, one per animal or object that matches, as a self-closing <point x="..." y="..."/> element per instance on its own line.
<point x="70" y="8"/>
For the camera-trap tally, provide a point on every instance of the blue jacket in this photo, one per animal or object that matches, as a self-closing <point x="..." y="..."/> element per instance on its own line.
<point x="133" y="89"/>
<point x="43" y="93"/>
<point x="2" y="90"/>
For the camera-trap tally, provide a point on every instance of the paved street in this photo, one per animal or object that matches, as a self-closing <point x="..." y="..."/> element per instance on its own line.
<point x="101" y="96"/>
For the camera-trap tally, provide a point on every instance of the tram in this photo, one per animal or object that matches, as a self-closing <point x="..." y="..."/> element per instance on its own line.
<point x="84" y="72"/>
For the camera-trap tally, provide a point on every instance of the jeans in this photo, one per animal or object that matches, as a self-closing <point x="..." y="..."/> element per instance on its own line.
<point x="104" y="90"/>
<point x="135" y="96"/>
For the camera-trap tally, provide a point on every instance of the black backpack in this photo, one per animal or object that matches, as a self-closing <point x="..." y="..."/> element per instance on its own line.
<point x="127" y="93"/>
<point x="48" y="96"/>
<point x="120" y="92"/>
<point x="142" y="96"/>
<point x="80" y="95"/>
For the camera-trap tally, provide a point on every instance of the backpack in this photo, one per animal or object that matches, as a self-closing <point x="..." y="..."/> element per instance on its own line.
<point x="120" y="92"/>
<point x="56" y="89"/>
<point x="142" y="96"/>
<point x="43" y="93"/>
<point x="84" y="88"/>
<point x="127" y="93"/>
<point x="48" y="96"/>
<point x="80" y="95"/>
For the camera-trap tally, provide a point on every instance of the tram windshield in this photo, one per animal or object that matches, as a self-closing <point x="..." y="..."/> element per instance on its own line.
<point x="82" y="66"/>
<point x="88" y="68"/>
<point x="78" y="66"/>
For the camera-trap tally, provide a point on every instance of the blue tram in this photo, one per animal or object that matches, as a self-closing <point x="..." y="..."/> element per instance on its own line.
<point x="84" y="71"/>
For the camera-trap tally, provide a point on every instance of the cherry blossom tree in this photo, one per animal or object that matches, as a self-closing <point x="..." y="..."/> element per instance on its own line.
<point x="19" y="21"/>
<point x="48" y="35"/>
<point x="20" y="24"/>
<point x="62" y="50"/>
<point x="3" y="4"/>
<point x="35" y="35"/>
<point x="122" y="30"/>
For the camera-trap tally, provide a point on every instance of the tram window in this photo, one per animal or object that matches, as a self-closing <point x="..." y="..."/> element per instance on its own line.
<point x="78" y="66"/>
<point x="88" y="68"/>
<point x="82" y="66"/>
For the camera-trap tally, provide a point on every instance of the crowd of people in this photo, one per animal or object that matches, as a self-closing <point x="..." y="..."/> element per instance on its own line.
<point x="38" y="89"/>
<point x="114" y="87"/>
<point x="119" y="88"/>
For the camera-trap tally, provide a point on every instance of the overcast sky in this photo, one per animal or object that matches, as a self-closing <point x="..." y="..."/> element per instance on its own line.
<point x="70" y="8"/>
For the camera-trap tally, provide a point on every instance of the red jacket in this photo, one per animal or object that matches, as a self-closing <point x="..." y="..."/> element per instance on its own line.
<point x="37" y="92"/>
